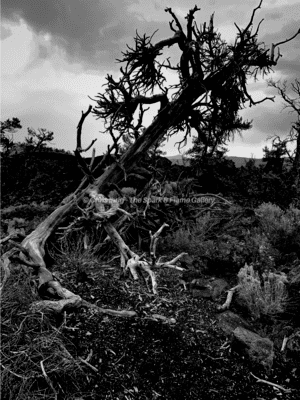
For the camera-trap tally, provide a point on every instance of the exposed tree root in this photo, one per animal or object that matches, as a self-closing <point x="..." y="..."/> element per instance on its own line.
<point x="275" y="385"/>
<point x="129" y="260"/>
<point x="228" y="301"/>
<point x="60" y="306"/>
<point x="55" y="298"/>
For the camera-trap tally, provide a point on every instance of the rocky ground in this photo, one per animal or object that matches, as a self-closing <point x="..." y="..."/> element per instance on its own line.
<point x="173" y="349"/>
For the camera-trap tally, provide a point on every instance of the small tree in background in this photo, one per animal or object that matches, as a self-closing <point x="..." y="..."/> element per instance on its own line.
<point x="7" y="128"/>
<point x="292" y="103"/>
<point x="38" y="140"/>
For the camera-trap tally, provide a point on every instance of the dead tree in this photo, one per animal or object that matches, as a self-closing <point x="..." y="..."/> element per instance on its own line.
<point x="206" y="64"/>
<point x="292" y="103"/>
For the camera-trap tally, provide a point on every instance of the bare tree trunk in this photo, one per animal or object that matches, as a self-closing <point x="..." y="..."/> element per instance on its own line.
<point x="169" y="116"/>
<point x="296" y="165"/>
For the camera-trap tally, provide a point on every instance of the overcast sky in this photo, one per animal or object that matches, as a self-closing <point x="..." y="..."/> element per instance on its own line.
<point x="56" y="53"/>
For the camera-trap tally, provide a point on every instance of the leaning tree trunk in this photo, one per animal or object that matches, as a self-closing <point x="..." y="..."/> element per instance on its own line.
<point x="296" y="164"/>
<point x="169" y="116"/>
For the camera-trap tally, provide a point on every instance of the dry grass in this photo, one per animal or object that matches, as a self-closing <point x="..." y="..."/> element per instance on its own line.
<point x="263" y="296"/>
<point x="36" y="360"/>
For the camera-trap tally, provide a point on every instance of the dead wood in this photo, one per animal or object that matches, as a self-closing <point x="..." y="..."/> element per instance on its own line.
<point x="4" y="263"/>
<point x="75" y="302"/>
<point x="171" y="115"/>
<point x="228" y="301"/>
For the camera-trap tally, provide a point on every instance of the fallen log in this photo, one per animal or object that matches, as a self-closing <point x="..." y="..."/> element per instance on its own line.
<point x="75" y="302"/>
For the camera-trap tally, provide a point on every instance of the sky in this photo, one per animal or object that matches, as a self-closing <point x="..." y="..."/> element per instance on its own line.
<point x="56" y="54"/>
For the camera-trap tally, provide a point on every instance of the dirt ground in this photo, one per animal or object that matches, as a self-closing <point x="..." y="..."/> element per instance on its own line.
<point x="185" y="356"/>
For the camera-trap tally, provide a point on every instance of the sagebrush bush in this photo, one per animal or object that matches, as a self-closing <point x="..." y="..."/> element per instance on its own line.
<point x="181" y="241"/>
<point x="265" y="295"/>
<point x="281" y="227"/>
<point x="190" y="238"/>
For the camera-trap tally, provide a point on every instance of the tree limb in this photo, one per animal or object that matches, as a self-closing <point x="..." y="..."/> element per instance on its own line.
<point x="169" y="10"/>
<point x="274" y="45"/>
<point x="190" y="18"/>
<point x="79" y="127"/>
<point x="252" y="16"/>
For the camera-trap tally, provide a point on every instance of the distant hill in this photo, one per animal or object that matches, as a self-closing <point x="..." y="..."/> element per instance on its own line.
<point x="239" y="161"/>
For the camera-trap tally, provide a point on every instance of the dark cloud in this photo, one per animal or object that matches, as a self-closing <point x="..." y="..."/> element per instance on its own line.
<point x="274" y="15"/>
<point x="43" y="52"/>
<point x="289" y="29"/>
<point x="91" y="32"/>
<point x="82" y="28"/>
<point x="94" y="32"/>
<point x="289" y="68"/>
<point x="5" y="32"/>
<point x="288" y="65"/>
<point x="268" y="122"/>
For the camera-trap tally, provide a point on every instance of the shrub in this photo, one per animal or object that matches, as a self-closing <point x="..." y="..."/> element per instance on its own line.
<point x="265" y="295"/>
<point x="282" y="228"/>
<point x="26" y="216"/>
<point x="181" y="241"/>
<point x="190" y="238"/>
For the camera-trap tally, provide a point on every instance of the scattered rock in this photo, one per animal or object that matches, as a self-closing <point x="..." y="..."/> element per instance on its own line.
<point x="208" y="288"/>
<point x="229" y="321"/>
<point x="219" y="286"/>
<point x="191" y="275"/>
<point x="293" y="346"/>
<point x="280" y="334"/>
<point x="259" y="350"/>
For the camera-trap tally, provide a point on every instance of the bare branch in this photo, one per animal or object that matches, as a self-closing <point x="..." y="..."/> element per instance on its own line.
<point x="13" y="235"/>
<point x="84" y="167"/>
<point x="172" y="262"/>
<point x="190" y="18"/>
<point x="153" y="242"/>
<point x="92" y="159"/>
<point x="48" y="380"/>
<point x="275" y="385"/>
<point x="88" y="364"/>
<point x="228" y="301"/>
<point x="274" y="45"/>
<point x="87" y="148"/>
<point x="294" y="104"/>
<point x="79" y="127"/>
<point x="82" y="164"/>
<point x="169" y="10"/>
<point x="238" y="28"/>
<point x="254" y="103"/>
<point x="258" y="26"/>
<point x="252" y="16"/>
<point x="162" y="98"/>
<point x="179" y="36"/>
<point x="169" y="66"/>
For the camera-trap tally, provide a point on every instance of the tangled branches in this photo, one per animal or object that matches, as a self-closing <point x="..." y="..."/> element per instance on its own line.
<point x="208" y="69"/>
<point x="141" y="63"/>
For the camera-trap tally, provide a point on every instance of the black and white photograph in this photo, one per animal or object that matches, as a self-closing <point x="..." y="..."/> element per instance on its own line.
<point x="150" y="200"/>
